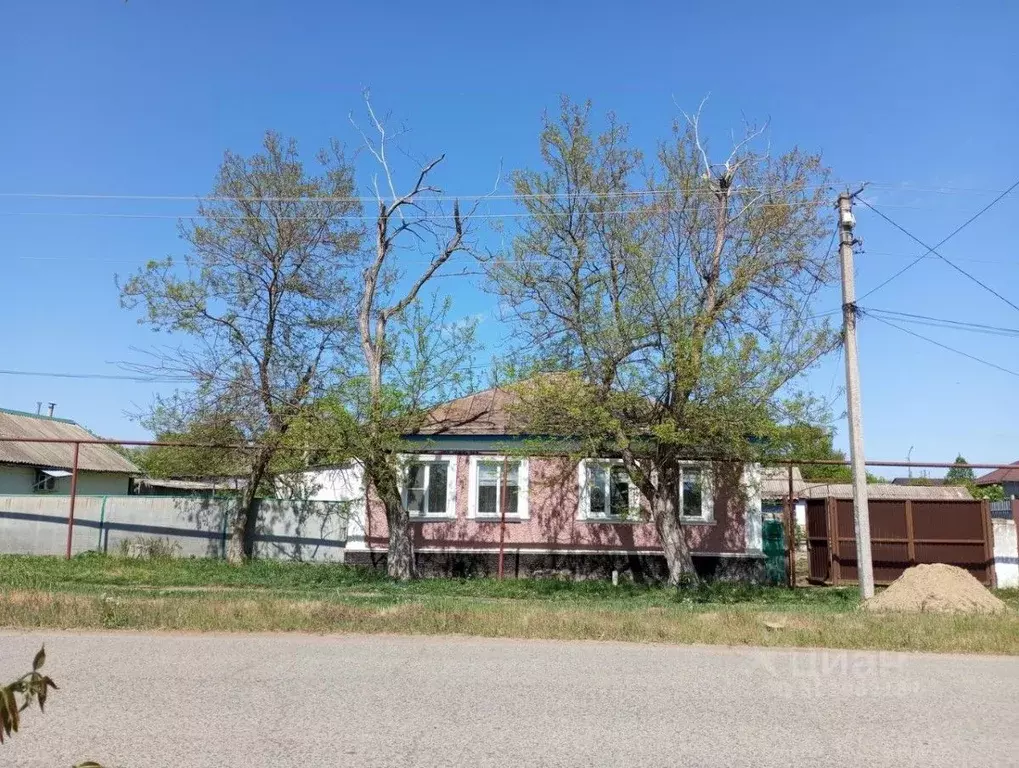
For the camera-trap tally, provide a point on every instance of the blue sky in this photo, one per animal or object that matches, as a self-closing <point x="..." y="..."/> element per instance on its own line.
<point x="142" y="98"/>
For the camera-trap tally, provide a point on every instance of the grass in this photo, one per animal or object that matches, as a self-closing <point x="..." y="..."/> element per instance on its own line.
<point x="203" y="595"/>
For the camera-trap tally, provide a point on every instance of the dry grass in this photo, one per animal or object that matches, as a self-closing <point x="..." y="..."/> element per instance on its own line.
<point x="523" y="619"/>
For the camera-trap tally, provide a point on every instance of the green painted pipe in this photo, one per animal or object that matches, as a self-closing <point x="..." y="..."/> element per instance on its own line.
<point x="102" y="519"/>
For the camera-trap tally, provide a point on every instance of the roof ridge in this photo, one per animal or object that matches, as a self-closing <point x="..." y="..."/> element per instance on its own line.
<point x="15" y="412"/>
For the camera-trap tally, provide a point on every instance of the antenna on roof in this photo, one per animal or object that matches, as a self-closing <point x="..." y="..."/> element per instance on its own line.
<point x="52" y="406"/>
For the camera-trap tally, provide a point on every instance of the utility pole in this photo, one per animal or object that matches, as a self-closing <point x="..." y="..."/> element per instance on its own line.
<point x="861" y="511"/>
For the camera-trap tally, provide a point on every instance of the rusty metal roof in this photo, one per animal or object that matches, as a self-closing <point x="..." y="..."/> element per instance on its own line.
<point x="483" y="413"/>
<point x="1000" y="476"/>
<point x="94" y="458"/>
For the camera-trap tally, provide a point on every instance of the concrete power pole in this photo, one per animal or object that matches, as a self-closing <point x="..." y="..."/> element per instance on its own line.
<point x="861" y="511"/>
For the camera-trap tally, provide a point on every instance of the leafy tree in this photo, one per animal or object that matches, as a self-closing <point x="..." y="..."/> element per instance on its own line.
<point x="809" y="441"/>
<point x="263" y="299"/>
<point x="961" y="473"/>
<point x="681" y="313"/>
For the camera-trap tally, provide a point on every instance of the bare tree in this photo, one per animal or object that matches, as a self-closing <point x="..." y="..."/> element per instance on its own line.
<point x="264" y="302"/>
<point x="413" y="220"/>
<point x="675" y="291"/>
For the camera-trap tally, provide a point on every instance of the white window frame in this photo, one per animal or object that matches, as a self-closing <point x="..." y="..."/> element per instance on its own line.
<point x="707" y="514"/>
<point x="523" y="510"/>
<point x="427" y="460"/>
<point x="584" y="497"/>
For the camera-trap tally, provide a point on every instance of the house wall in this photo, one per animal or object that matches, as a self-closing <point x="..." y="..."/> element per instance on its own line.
<point x="20" y="479"/>
<point x="16" y="478"/>
<point x="553" y="525"/>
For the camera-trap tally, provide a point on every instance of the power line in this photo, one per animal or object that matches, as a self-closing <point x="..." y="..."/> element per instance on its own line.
<point x="100" y="376"/>
<point x="425" y="217"/>
<point x="439" y="197"/>
<point x="933" y="249"/>
<point x="943" y="346"/>
<point x="940" y="322"/>
<point x="486" y="196"/>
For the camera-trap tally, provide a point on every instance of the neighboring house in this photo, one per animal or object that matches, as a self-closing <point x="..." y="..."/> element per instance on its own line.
<point x="203" y="487"/>
<point x="45" y="468"/>
<point x="561" y="515"/>
<point x="1008" y="479"/>
<point x="775" y="489"/>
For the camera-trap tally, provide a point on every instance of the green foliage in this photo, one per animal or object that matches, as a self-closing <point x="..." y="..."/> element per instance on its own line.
<point x="989" y="492"/>
<point x="681" y="321"/>
<point x="31" y="688"/>
<point x="961" y="473"/>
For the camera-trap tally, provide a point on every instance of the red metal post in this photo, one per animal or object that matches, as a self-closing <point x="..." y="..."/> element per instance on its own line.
<point x="74" y="494"/>
<point x="502" y="522"/>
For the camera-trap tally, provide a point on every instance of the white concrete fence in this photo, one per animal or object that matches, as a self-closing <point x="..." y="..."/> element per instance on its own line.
<point x="287" y="529"/>
<point x="1006" y="546"/>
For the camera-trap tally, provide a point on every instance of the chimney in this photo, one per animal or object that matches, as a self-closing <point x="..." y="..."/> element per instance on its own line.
<point x="38" y="407"/>
<point x="52" y="406"/>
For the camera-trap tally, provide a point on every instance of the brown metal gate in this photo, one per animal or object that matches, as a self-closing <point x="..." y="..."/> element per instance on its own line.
<point x="902" y="534"/>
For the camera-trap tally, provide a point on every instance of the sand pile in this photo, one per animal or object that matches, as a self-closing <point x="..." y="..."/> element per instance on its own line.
<point x="936" y="588"/>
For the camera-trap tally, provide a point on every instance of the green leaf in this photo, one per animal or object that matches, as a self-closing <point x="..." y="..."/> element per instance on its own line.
<point x="39" y="660"/>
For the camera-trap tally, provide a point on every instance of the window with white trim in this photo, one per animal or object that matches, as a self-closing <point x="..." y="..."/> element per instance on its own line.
<point x="488" y="491"/>
<point x="695" y="503"/>
<point x="428" y="485"/>
<point x="606" y="492"/>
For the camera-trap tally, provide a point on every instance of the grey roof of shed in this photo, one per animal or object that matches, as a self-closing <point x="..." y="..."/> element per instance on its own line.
<point x="888" y="492"/>
<point x="93" y="458"/>
<point x="775" y="482"/>
<point x="775" y="485"/>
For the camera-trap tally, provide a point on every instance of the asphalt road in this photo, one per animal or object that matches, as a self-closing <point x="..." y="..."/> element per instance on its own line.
<point x="298" y="701"/>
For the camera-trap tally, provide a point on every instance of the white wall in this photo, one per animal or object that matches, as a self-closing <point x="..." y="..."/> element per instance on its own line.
<point x="754" y="519"/>
<point x="1006" y="553"/>
<point x="341" y="484"/>
<point x="296" y="529"/>
<point x="20" y="479"/>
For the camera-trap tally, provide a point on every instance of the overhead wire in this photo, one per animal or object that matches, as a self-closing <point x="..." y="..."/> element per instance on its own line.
<point x="939" y="344"/>
<point x="933" y="249"/>
<point x="429" y="197"/>
<point x="939" y="322"/>
<point x="903" y="187"/>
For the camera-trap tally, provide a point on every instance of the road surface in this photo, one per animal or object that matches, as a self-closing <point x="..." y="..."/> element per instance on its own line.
<point x="299" y="701"/>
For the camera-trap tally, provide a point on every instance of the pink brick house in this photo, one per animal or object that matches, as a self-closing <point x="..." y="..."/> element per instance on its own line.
<point x="560" y="514"/>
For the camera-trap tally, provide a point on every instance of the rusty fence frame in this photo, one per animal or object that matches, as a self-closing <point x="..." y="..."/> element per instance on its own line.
<point x="788" y="512"/>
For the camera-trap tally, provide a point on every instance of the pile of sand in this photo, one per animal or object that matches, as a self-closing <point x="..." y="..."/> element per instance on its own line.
<point x="936" y="588"/>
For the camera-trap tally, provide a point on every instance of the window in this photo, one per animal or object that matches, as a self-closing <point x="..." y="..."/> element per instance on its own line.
<point x="694" y="502"/>
<point x="487" y="488"/>
<point x="428" y="488"/>
<point x="44" y="482"/>
<point x="606" y="491"/>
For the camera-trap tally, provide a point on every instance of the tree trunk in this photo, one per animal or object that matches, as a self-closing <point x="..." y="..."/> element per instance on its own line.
<point x="245" y="522"/>
<point x="400" y="559"/>
<point x="665" y="515"/>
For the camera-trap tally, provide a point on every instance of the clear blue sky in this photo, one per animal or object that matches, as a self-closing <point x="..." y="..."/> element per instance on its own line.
<point x="142" y="98"/>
